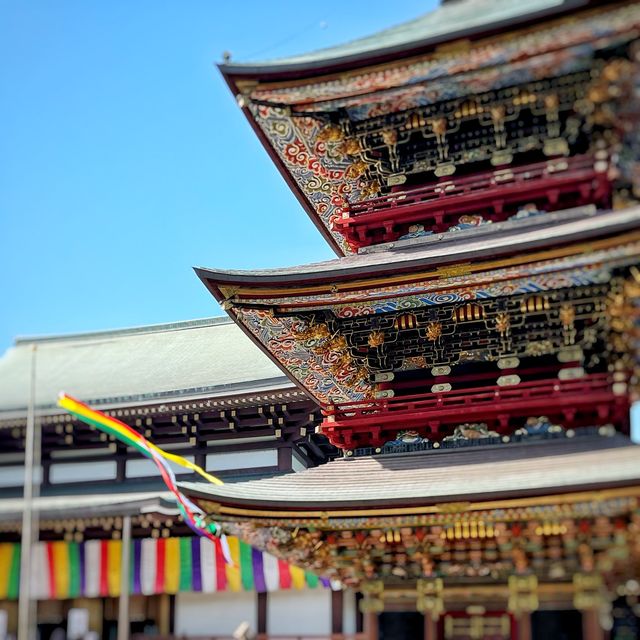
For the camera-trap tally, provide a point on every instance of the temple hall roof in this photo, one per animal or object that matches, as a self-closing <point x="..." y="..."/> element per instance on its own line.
<point x="179" y="360"/>
<point x="84" y="506"/>
<point x="522" y="469"/>
<point x="451" y="20"/>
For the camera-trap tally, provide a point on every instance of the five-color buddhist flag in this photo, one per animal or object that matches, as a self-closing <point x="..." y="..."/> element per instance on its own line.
<point x="158" y="565"/>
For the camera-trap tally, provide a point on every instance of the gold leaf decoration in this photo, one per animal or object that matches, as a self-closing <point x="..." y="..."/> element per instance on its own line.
<point x="350" y="147"/>
<point x="330" y="133"/>
<point x="434" y="331"/>
<point x="503" y="322"/>
<point x="357" y="169"/>
<point x="375" y="339"/>
<point x="567" y="315"/>
<point x="389" y="136"/>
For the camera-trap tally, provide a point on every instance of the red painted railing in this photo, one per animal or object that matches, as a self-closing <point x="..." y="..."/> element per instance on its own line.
<point x="438" y="205"/>
<point x="261" y="636"/>
<point x="564" y="400"/>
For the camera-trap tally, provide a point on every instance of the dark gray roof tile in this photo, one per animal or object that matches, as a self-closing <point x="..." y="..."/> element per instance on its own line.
<point x="450" y="20"/>
<point x="209" y="357"/>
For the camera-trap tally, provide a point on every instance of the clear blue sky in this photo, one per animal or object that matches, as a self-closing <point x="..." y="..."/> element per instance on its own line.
<point x="124" y="160"/>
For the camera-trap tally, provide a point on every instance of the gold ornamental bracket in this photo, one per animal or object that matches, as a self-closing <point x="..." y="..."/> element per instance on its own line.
<point x="373" y="597"/>
<point x="429" y="597"/>
<point x="523" y="594"/>
<point x="588" y="591"/>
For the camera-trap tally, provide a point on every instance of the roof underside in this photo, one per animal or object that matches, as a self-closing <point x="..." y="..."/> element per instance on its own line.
<point x="432" y="477"/>
<point x="475" y="244"/>
<point x="146" y="364"/>
<point x="270" y="305"/>
<point x="449" y="21"/>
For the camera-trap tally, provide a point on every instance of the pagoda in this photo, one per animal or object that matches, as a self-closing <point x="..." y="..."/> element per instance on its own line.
<point x="474" y="347"/>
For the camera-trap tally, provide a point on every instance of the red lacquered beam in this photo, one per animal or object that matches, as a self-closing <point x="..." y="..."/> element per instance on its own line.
<point x="529" y="388"/>
<point x="440" y="205"/>
<point x="467" y="184"/>
<point x="566" y="401"/>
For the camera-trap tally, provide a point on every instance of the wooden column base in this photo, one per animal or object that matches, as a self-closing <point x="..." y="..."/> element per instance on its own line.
<point x="430" y="627"/>
<point x="371" y="626"/>
<point x="261" y="614"/>
<point x="523" y="623"/>
<point x="337" y="613"/>
<point x="591" y="629"/>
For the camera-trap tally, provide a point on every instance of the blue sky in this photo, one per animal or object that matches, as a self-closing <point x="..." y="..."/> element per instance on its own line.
<point x="125" y="160"/>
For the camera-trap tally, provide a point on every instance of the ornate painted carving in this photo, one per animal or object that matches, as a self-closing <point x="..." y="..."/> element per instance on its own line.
<point x="317" y="354"/>
<point x="471" y="431"/>
<point x="587" y="268"/>
<point x="538" y="426"/>
<point x="457" y="542"/>
<point x="308" y="352"/>
<point x="332" y="165"/>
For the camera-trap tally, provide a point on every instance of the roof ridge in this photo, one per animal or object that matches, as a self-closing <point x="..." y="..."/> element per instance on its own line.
<point x="178" y="325"/>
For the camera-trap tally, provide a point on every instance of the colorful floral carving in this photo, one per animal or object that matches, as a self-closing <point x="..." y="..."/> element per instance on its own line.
<point x="319" y="156"/>
<point x="538" y="426"/>
<point x="308" y="352"/>
<point x="471" y="431"/>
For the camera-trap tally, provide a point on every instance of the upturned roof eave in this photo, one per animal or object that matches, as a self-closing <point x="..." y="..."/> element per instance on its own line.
<point x="351" y="507"/>
<point x="291" y="183"/>
<point x="431" y="478"/>
<point x="85" y="506"/>
<point x="221" y="393"/>
<point x="460" y="248"/>
<point x="327" y="63"/>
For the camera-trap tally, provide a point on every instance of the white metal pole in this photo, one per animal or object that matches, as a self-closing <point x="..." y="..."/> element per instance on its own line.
<point x="27" y="610"/>
<point x="125" y="559"/>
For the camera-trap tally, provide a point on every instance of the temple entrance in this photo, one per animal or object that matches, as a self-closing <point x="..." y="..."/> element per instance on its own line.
<point x="401" y="625"/>
<point x="559" y="625"/>
<point x="492" y="625"/>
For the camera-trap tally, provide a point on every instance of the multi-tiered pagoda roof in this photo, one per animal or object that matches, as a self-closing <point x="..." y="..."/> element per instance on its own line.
<point x="474" y="349"/>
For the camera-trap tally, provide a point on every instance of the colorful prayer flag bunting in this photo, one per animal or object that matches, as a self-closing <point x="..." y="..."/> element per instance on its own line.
<point x="9" y="570"/>
<point x="164" y="565"/>
<point x="191" y="513"/>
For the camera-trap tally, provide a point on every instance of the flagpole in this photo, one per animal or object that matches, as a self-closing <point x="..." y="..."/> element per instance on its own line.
<point x="125" y="562"/>
<point x="27" y="609"/>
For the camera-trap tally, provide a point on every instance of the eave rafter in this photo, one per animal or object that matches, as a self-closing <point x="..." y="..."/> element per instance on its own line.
<point x="549" y="536"/>
<point x="284" y="311"/>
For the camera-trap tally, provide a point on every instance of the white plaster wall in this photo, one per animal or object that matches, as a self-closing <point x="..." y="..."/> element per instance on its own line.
<point x="82" y="471"/>
<point x="298" y="612"/>
<point x="349" y="611"/>
<point x="214" y="614"/>
<point x="242" y="460"/>
<point x="12" y="476"/>
<point x="144" y="467"/>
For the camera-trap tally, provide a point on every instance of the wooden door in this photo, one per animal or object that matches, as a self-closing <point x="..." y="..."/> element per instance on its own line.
<point x="491" y="625"/>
